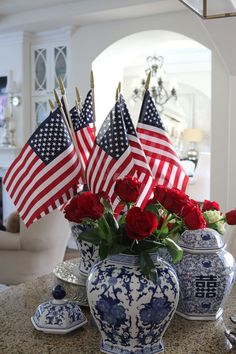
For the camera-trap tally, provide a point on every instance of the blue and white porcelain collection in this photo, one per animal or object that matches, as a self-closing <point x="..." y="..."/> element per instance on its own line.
<point x="131" y="312"/>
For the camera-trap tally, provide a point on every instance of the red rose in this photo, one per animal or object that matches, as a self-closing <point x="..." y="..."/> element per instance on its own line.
<point x="128" y="189"/>
<point x="208" y="205"/>
<point x="85" y="205"/>
<point x="140" y="224"/>
<point x="159" y="194"/>
<point x="193" y="217"/>
<point x="175" y="200"/>
<point x="231" y="217"/>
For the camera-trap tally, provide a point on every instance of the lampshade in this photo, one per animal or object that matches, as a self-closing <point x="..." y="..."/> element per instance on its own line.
<point x="209" y="9"/>
<point x="193" y="135"/>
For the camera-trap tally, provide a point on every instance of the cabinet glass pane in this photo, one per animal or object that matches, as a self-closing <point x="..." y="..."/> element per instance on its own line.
<point x="60" y="56"/>
<point x="40" y="58"/>
<point x="40" y="112"/>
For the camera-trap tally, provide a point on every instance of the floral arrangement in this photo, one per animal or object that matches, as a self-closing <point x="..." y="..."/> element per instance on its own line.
<point x="138" y="230"/>
<point x="215" y="218"/>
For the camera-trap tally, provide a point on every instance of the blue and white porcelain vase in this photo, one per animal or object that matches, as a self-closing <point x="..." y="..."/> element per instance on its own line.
<point x="88" y="252"/>
<point x="206" y="275"/>
<point x="131" y="312"/>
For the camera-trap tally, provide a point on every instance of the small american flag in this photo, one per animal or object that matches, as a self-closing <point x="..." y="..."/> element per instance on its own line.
<point x="141" y="166"/>
<point x="111" y="157"/>
<point x="83" y="127"/>
<point x="163" y="160"/>
<point x="46" y="172"/>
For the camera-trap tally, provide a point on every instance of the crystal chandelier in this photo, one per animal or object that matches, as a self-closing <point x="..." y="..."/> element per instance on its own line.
<point x="210" y="9"/>
<point x="160" y="94"/>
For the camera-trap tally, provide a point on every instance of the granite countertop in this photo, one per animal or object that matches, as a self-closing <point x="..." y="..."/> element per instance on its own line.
<point x="18" y="336"/>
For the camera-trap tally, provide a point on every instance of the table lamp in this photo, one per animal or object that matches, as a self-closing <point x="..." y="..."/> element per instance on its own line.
<point x="193" y="136"/>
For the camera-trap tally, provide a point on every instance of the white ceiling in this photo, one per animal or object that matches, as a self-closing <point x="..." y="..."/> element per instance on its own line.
<point x="37" y="15"/>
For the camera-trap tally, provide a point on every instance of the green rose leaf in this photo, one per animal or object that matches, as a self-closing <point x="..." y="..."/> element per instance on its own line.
<point x="104" y="230"/>
<point x="147" y="266"/>
<point x="111" y="221"/>
<point x="175" y="251"/>
<point x="106" y="205"/>
<point x="90" y="236"/>
<point x="103" y="250"/>
<point x="116" y="249"/>
<point x="153" y="208"/>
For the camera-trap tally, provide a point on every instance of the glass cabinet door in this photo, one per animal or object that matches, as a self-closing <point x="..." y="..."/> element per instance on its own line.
<point x="40" y="83"/>
<point x="60" y="65"/>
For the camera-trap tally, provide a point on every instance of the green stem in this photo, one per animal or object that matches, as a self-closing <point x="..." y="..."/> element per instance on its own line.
<point x="107" y="227"/>
<point x="132" y="245"/>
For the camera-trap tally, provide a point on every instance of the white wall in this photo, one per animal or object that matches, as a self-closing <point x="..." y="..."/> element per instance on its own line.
<point x="13" y="60"/>
<point x="95" y="38"/>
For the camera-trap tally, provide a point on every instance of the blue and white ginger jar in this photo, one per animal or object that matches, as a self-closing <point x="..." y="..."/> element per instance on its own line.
<point x="206" y="275"/>
<point x="131" y="312"/>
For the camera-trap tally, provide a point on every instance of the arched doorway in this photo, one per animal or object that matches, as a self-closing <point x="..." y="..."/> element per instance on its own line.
<point x="187" y="62"/>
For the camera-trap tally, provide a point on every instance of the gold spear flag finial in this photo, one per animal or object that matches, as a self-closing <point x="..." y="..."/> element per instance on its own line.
<point x="117" y="93"/>
<point x="57" y="98"/>
<point x="91" y="80"/>
<point x="119" y="87"/>
<point x="147" y="83"/>
<point x="51" y="104"/>
<point x="118" y="90"/>
<point x="78" y="97"/>
<point x="61" y="85"/>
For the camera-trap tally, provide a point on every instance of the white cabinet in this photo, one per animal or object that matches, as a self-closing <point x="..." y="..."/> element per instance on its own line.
<point x="49" y="61"/>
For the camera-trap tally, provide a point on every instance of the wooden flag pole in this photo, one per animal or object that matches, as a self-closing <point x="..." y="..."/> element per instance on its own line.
<point x="77" y="106"/>
<point x="71" y="132"/>
<point x="93" y="101"/>
<point x="147" y="83"/>
<point x="63" y="92"/>
<point x="78" y="97"/>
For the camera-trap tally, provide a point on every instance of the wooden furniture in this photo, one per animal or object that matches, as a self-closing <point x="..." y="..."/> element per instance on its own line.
<point x="17" y="334"/>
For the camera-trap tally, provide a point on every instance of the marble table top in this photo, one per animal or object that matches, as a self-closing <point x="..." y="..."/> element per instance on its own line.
<point x="18" y="336"/>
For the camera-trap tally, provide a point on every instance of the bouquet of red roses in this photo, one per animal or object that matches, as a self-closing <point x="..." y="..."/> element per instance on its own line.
<point x="138" y="231"/>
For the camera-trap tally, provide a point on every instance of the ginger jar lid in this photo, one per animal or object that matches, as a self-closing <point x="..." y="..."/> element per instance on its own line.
<point x="201" y="239"/>
<point x="58" y="315"/>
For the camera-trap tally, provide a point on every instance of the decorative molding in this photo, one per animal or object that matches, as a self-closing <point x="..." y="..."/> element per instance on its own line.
<point x="62" y="34"/>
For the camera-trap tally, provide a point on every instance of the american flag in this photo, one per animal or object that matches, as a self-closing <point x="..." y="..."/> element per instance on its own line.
<point x="83" y="127"/>
<point x="111" y="157"/>
<point x="163" y="160"/>
<point x="141" y="166"/>
<point x="45" y="174"/>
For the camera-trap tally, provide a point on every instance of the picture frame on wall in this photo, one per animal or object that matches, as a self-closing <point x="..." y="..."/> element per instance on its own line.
<point x="3" y="97"/>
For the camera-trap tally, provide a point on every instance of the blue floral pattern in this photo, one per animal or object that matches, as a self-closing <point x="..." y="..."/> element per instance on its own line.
<point x="88" y="251"/>
<point x="59" y="315"/>
<point x="131" y="312"/>
<point x="202" y="239"/>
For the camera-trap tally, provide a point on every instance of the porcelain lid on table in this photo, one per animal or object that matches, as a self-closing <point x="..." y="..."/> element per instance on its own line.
<point x="58" y="315"/>
<point x="201" y="239"/>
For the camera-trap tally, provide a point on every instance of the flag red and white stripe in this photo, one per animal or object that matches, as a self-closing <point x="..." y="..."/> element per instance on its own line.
<point x="46" y="172"/>
<point x="161" y="156"/>
<point x="113" y="158"/>
<point x="83" y="127"/>
<point x="141" y="167"/>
